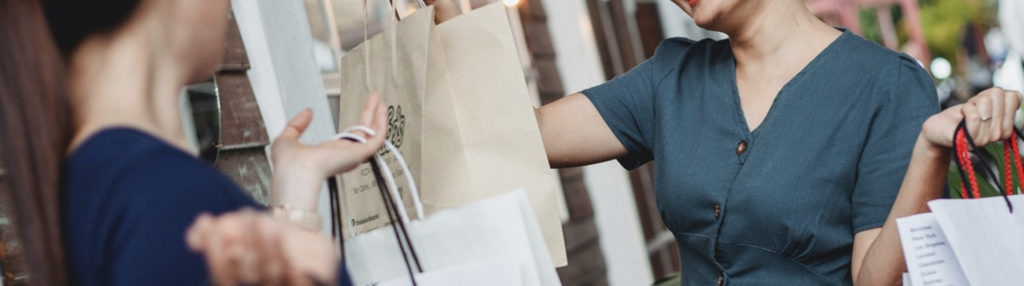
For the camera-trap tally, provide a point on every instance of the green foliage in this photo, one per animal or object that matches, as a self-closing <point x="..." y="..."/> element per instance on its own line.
<point x="994" y="154"/>
<point x="944" y="22"/>
<point x="869" y="25"/>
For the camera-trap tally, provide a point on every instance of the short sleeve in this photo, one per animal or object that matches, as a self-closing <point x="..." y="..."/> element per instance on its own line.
<point x="626" y="103"/>
<point x="910" y="99"/>
<point x="149" y="246"/>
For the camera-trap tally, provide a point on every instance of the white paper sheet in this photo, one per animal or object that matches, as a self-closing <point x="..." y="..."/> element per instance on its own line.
<point x="930" y="258"/>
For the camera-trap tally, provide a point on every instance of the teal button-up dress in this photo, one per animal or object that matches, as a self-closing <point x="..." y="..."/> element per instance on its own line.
<point x="778" y="205"/>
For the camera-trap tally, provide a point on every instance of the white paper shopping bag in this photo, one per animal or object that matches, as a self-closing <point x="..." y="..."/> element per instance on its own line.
<point x="986" y="234"/>
<point x="987" y="238"/>
<point x="497" y="272"/>
<point x="501" y="227"/>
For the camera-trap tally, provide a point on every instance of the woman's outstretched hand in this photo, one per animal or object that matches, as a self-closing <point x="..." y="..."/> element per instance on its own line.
<point x="989" y="117"/>
<point x="252" y="248"/>
<point x="300" y="169"/>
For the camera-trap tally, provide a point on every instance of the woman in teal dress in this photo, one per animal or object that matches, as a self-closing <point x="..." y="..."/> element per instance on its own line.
<point x="781" y="154"/>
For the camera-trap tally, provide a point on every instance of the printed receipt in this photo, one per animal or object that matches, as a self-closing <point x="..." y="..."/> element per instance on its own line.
<point x="930" y="259"/>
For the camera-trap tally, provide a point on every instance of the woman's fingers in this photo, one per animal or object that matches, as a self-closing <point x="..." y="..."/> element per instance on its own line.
<point x="219" y="261"/>
<point x="1013" y="100"/>
<point x="372" y="103"/>
<point x="252" y="256"/>
<point x="983" y="105"/>
<point x="972" y="117"/>
<point x="248" y="247"/>
<point x="197" y="235"/>
<point x="297" y="125"/>
<point x="994" y="122"/>
<point x="990" y="115"/>
<point x="380" y="126"/>
<point x="266" y="233"/>
<point x="275" y="265"/>
<point x="368" y="118"/>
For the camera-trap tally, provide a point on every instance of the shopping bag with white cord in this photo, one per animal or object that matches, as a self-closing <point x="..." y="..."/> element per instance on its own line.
<point x="461" y="111"/>
<point x="986" y="234"/>
<point x="495" y="241"/>
<point x="396" y="71"/>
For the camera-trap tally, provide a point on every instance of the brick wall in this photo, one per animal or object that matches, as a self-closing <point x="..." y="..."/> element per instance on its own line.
<point x="586" y="261"/>
<point x="243" y="137"/>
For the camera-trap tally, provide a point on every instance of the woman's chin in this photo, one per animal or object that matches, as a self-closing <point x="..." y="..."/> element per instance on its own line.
<point x="703" y="21"/>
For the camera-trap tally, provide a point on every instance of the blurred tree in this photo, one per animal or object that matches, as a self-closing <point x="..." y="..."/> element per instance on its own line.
<point x="869" y="25"/>
<point x="945" y="22"/>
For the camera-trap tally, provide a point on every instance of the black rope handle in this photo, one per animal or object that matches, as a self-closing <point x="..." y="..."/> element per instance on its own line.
<point x="392" y="209"/>
<point x="390" y="206"/>
<point x="969" y="188"/>
<point x="332" y="191"/>
<point x="957" y="151"/>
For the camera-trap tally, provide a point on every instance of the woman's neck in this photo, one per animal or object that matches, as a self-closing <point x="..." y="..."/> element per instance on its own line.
<point x="780" y="34"/>
<point x="118" y="80"/>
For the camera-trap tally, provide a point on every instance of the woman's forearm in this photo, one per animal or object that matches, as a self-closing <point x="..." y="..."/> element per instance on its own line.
<point x="883" y="263"/>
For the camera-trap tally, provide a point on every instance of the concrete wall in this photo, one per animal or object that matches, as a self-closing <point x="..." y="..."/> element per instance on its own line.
<point x="284" y="75"/>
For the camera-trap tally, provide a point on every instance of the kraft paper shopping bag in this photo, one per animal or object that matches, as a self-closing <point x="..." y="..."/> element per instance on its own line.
<point x="460" y="112"/>
<point x="394" y="64"/>
<point x="500" y="136"/>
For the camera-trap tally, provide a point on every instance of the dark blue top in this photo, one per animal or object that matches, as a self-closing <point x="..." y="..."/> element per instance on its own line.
<point x="128" y="200"/>
<point x="826" y="162"/>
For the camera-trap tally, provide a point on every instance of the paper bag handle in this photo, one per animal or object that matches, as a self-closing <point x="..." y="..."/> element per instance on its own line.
<point x="963" y="143"/>
<point x="398" y="226"/>
<point x="393" y="187"/>
<point x="392" y="201"/>
<point x="390" y="184"/>
<point x="366" y="34"/>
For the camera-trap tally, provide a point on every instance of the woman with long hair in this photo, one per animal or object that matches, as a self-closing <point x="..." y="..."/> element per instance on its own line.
<point x="95" y="160"/>
<point x="34" y="132"/>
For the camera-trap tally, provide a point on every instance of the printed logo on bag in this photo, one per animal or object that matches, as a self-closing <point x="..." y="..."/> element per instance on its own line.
<point x="365" y="220"/>
<point x="372" y="185"/>
<point x="396" y="128"/>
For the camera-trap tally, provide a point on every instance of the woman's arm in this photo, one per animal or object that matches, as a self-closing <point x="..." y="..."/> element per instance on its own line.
<point x="575" y="134"/>
<point x="573" y="131"/>
<point x="877" y="253"/>
<point x="250" y="247"/>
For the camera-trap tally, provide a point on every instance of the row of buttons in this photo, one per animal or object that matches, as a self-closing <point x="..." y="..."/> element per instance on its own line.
<point x="740" y="149"/>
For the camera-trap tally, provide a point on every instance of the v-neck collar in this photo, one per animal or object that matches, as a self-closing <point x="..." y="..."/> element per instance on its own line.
<point x="731" y="74"/>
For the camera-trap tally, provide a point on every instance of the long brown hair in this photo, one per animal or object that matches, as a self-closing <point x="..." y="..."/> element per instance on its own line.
<point x="34" y="132"/>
